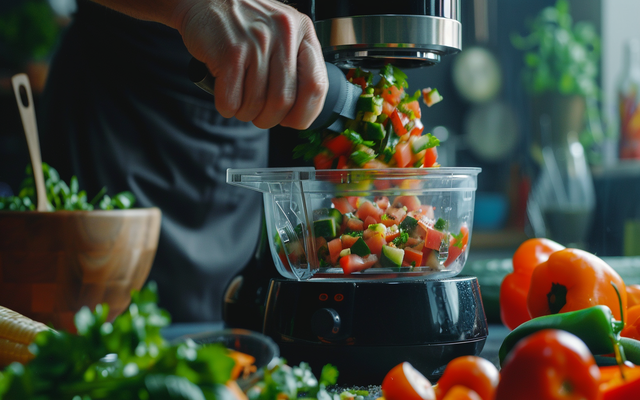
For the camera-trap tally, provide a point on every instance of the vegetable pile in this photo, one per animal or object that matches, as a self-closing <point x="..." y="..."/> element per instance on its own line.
<point x="62" y="196"/>
<point x="129" y="359"/>
<point x="399" y="235"/>
<point x="387" y="131"/>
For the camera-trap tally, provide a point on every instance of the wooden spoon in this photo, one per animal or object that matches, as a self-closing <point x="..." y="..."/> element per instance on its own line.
<point x="24" y="98"/>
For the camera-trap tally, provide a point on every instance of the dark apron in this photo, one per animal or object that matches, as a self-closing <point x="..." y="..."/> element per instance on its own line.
<point x="119" y="111"/>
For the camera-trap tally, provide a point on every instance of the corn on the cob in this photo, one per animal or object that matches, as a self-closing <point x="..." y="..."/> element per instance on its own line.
<point x="16" y="334"/>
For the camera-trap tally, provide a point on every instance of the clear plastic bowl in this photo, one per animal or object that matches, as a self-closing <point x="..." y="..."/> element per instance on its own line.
<point x="314" y="216"/>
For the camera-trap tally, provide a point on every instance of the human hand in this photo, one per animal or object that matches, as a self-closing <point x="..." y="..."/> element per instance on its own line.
<point x="265" y="57"/>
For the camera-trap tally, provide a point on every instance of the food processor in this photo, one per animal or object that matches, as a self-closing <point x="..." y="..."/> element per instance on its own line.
<point x="368" y="319"/>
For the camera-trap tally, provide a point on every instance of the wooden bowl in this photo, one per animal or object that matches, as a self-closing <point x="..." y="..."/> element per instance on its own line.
<point x="54" y="263"/>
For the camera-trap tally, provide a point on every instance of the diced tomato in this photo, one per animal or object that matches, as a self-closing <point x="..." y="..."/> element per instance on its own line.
<point x="430" y="157"/>
<point x="454" y="253"/>
<point x="382" y="202"/>
<point x="360" y="81"/>
<point x="390" y="235"/>
<point x="285" y="262"/>
<point x="387" y="108"/>
<point x="403" y="155"/>
<point x="392" y="95"/>
<point x="342" y="162"/>
<point x="350" y="74"/>
<point x="415" y="107"/>
<point x="388" y="222"/>
<point x="353" y="200"/>
<point x="375" y="244"/>
<point x="335" y="247"/>
<point x="411" y="202"/>
<point x="367" y="209"/>
<point x="434" y="237"/>
<point x="369" y="221"/>
<point x="355" y="224"/>
<point x="464" y="229"/>
<point x="412" y="257"/>
<point x="397" y="123"/>
<point x="382" y="184"/>
<point x="354" y="263"/>
<point x="418" y="128"/>
<point x="428" y="257"/>
<point x="396" y="213"/>
<point x="323" y="161"/>
<point x="339" y="145"/>
<point x="342" y="204"/>
<point x="348" y="241"/>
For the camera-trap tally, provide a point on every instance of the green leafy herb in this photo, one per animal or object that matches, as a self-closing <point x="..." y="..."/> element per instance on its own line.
<point x="311" y="149"/>
<point x="356" y="138"/>
<point x="559" y="56"/>
<point x="440" y="224"/>
<point x="458" y="239"/>
<point x="401" y="239"/>
<point x="393" y="77"/>
<point x="61" y="196"/>
<point x="354" y="233"/>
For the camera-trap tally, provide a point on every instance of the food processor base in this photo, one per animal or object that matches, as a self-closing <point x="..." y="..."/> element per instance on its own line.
<point x="365" y="328"/>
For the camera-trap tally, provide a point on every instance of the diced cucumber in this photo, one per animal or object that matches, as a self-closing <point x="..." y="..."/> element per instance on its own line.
<point x="336" y="215"/>
<point x="324" y="213"/>
<point x="360" y="248"/>
<point x="325" y="228"/>
<point x="424" y="142"/>
<point x="408" y="224"/>
<point x="391" y="257"/>
<point x="370" y="103"/>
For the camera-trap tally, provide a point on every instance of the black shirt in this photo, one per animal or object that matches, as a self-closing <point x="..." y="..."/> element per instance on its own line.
<point x="119" y="111"/>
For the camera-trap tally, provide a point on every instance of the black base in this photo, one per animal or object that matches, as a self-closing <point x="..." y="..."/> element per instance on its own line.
<point x="365" y="328"/>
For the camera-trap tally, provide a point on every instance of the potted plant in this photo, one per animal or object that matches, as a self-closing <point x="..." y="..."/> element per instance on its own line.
<point x="561" y="67"/>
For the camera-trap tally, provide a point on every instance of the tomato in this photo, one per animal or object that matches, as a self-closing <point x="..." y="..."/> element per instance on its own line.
<point x="348" y="241"/>
<point x="549" y="364"/>
<point x="375" y="244"/>
<point x="404" y="382"/>
<point x="335" y="247"/>
<point x="342" y="204"/>
<point x="411" y="202"/>
<point x="403" y="155"/>
<point x="396" y="213"/>
<point x="360" y="81"/>
<point x="382" y="202"/>
<point x="430" y="157"/>
<point x="339" y="145"/>
<point x="387" y="108"/>
<point x="354" y="263"/>
<point x="390" y="235"/>
<point x="369" y="221"/>
<point x="457" y="245"/>
<point x="417" y="128"/>
<point x="323" y="161"/>
<point x="355" y="224"/>
<point x="413" y="257"/>
<point x="397" y="123"/>
<point x="475" y="373"/>
<point x="434" y="238"/>
<point x="515" y="286"/>
<point x="460" y="392"/>
<point x="342" y="162"/>
<point x="367" y="209"/>
<point x="415" y="107"/>
<point x="392" y="95"/>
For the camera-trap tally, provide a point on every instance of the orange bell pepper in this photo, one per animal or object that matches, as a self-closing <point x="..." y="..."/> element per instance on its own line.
<point x="633" y="295"/>
<point x="550" y="364"/>
<point x="515" y="286"/>
<point x="632" y="326"/>
<point x="614" y="387"/>
<point x="573" y="279"/>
